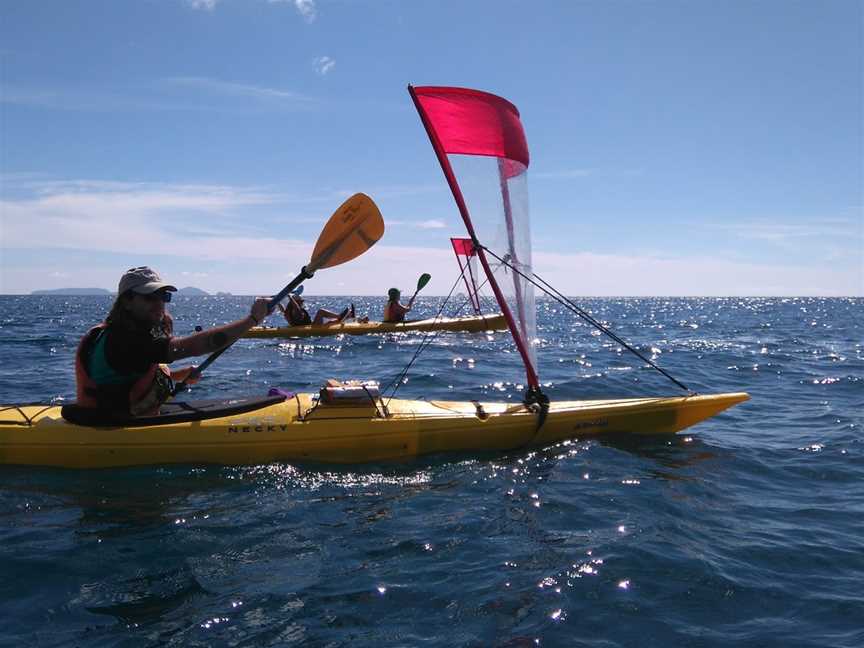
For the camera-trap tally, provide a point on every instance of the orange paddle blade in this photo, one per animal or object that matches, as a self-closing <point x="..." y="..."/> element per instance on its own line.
<point x="352" y="229"/>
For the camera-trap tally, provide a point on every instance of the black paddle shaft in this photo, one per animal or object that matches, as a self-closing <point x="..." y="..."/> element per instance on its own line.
<point x="299" y="279"/>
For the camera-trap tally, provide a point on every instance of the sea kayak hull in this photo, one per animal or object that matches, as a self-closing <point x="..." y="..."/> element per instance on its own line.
<point x="473" y="324"/>
<point x="297" y="429"/>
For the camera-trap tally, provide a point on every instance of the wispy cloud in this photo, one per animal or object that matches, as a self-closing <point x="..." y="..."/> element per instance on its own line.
<point x="305" y="8"/>
<point x="268" y="262"/>
<point x="206" y="5"/>
<point x="563" y="174"/>
<point x="205" y="220"/>
<point x="778" y="232"/>
<point x="116" y="216"/>
<point x="400" y="191"/>
<point x="323" y="64"/>
<point x="234" y="89"/>
<point x="569" y="174"/>
<point x="97" y="228"/>
<point x="167" y="94"/>
<point x="642" y="275"/>
<point x="433" y="223"/>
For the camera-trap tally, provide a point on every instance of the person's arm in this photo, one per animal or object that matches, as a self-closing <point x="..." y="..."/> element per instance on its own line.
<point x="216" y="338"/>
<point x="180" y="375"/>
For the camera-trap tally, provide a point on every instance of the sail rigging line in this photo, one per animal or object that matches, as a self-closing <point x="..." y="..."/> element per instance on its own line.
<point x="531" y="374"/>
<point x="428" y="338"/>
<point x="468" y="300"/>
<point x="567" y="303"/>
<point x="424" y="344"/>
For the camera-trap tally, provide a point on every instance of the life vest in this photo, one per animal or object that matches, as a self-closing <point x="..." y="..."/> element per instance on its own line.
<point x="140" y="395"/>
<point x="389" y="315"/>
<point x="298" y="316"/>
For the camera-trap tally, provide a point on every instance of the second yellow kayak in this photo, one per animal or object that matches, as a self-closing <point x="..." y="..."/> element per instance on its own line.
<point x="473" y="324"/>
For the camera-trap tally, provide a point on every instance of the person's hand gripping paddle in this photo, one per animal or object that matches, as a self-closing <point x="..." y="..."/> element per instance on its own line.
<point x="352" y="229"/>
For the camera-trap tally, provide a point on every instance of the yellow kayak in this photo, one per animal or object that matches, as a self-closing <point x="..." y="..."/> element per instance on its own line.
<point x="304" y="428"/>
<point x="471" y="324"/>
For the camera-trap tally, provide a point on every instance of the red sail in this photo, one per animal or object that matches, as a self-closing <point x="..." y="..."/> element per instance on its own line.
<point x="466" y="127"/>
<point x="473" y="122"/>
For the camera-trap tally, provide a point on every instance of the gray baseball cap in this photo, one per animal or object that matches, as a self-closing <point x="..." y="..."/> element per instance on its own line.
<point x="142" y="280"/>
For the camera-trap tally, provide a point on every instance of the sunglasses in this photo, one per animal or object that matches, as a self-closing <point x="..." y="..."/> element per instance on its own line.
<point x="159" y="295"/>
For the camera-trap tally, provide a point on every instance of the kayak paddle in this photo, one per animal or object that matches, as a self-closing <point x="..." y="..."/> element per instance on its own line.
<point x="352" y="229"/>
<point x="421" y="284"/>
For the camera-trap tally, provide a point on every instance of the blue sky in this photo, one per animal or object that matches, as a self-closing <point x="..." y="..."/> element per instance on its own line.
<point x="677" y="148"/>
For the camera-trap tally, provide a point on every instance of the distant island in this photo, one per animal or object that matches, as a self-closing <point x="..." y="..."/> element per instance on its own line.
<point x="188" y="291"/>
<point x="72" y="291"/>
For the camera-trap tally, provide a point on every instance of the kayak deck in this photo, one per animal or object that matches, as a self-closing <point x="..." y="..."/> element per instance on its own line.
<point x="472" y="324"/>
<point x="302" y="428"/>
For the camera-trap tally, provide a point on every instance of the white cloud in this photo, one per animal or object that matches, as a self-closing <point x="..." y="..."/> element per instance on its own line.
<point x="323" y="64"/>
<point x="173" y="93"/>
<point x="206" y="5"/>
<point x="208" y="231"/>
<point x="433" y="223"/>
<point x="567" y="173"/>
<point x="305" y="8"/>
<point x="119" y="217"/>
<point x="641" y="275"/>
<point x="766" y="230"/>
<point x="217" y="86"/>
<point x="269" y="263"/>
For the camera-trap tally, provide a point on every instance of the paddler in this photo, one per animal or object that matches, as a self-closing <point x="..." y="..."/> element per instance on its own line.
<point x="297" y="315"/>
<point x="393" y="310"/>
<point x="122" y="364"/>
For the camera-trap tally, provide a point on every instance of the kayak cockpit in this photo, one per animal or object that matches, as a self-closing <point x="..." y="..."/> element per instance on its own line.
<point x="175" y="412"/>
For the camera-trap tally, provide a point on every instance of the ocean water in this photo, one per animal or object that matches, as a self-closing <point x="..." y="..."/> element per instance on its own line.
<point x="746" y="531"/>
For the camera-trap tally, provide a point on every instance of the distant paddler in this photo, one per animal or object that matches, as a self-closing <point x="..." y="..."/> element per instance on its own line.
<point x="393" y="310"/>
<point x="296" y="314"/>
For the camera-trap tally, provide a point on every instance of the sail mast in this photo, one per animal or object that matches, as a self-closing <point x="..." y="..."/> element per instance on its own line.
<point x="531" y="374"/>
